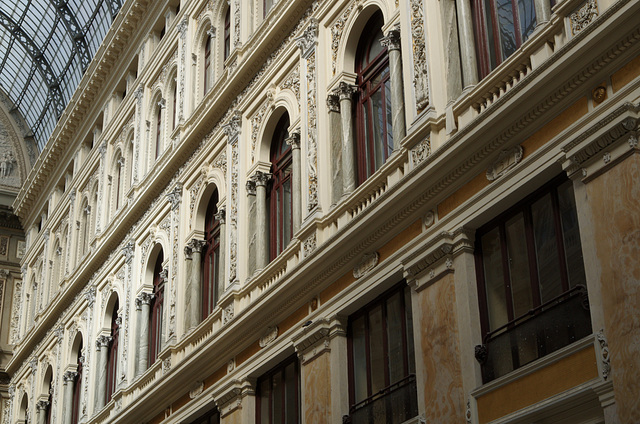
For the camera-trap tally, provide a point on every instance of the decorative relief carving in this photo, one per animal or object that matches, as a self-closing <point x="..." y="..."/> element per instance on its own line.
<point x="599" y="94"/>
<point x="367" y="263"/>
<point x="15" y="316"/>
<point x="583" y="16"/>
<point x="227" y="313"/>
<point x="309" y="245"/>
<point x="232" y="130"/>
<point x="419" y="48"/>
<point x="420" y="153"/>
<point x="604" y="351"/>
<point x="429" y="218"/>
<point x="269" y="337"/>
<point x="292" y="82"/>
<point x="166" y="365"/>
<point x="236" y="24"/>
<point x="231" y="365"/>
<point x="256" y="121"/>
<point x="626" y="126"/>
<point x="220" y="162"/>
<point x="196" y="390"/>
<point x="336" y="33"/>
<point x="507" y="159"/>
<point x="182" y="28"/>
<point x="175" y="196"/>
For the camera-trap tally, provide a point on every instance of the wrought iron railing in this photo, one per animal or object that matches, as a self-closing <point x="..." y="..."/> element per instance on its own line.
<point x="541" y="331"/>
<point x="392" y="405"/>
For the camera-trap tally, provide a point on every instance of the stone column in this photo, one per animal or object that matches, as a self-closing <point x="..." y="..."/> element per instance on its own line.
<point x="193" y="301"/>
<point x="251" y="227"/>
<point x="220" y="217"/>
<point x="345" y="92"/>
<point x="41" y="411"/>
<point x="102" y="345"/>
<point x="262" y="229"/>
<point x="69" y="379"/>
<point x="392" y="42"/>
<point x="296" y="196"/>
<point x="143" y="302"/>
<point x="333" y="107"/>
<point x="543" y="11"/>
<point x="467" y="45"/>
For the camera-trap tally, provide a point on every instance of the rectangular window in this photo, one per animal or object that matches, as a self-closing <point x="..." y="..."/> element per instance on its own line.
<point x="531" y="281"/>
<point x="211" y="417"/>
<point x="382" y="384"/>
<point x="278" y="394"/>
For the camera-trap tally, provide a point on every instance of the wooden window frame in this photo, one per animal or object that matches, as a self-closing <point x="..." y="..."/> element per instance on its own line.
<point x="279" y="369"/>
<point x="158" y="131"/>
<point x="281" y="159"/>
<point x="156" y="311"/>
<point x="112" y="359"/>
<point x="367" y="69"/>
<point x="77" y="389"/>
<point x="211" y="250"/>
<point x="207" y="63"/>
<point x="227" y="34"/>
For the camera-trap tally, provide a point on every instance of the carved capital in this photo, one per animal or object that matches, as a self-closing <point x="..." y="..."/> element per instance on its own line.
<point x="221" y="215"/>
<point x="333" y="102"/>
<point x="103" y="341"/>
<point x="144" y="298"/>
<point x="251" y="187"/>
<point x="392" y="40"/>
<point x="69" y="376"/>
<point x="194" y="246"/>
<point x="294" y="139"/>
<point x="345" y="91"/>
<point x="261" y="178"/>
<point x="42" y="405"/>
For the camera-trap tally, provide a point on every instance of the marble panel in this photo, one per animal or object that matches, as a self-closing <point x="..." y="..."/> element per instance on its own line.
<point x="316" y="377"/>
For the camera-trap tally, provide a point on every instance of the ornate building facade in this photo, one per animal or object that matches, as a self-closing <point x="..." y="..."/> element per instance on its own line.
<point x="371" y="211"/>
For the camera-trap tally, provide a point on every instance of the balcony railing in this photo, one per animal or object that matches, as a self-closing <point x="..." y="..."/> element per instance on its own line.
<point x="541" y="331"/>
<point x="392" y="405"/>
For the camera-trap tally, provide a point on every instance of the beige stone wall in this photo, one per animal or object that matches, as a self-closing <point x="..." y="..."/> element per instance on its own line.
<point x="316" y="384"/>
<point x="443" y="392"/>
<point x="614" y="199"/>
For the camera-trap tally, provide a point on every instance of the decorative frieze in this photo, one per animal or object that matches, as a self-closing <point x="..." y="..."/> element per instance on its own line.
<point x="583" y="16"/>
<point x="419" y="49"/>
<point x="506" y="160"/>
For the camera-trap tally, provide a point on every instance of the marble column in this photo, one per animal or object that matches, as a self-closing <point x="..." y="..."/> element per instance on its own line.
<point x="69" y="379"/>
<point x="345" y="92"/>
<point x="262" y="229"/>
<point x="251" y="205"/>
<point x="333" y="107"/>
<point x="143" y="302"/>
<point x="467" y="44"/>
<point x="193" y="303"/>
<point x="296" y="179"/>
<point x="102" y="345"/>
<point x="220" y="217"/>
<point x="41" y="411"/>
<point x="543" y="11"/>
<point x="392" y="42"/>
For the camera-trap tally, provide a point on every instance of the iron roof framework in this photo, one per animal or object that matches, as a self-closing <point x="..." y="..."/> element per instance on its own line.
<point x="45" y="48"/>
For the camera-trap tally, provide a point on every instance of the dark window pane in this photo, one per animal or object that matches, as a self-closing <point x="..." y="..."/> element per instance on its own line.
<point x="507" y="28"/>
<point x="394" y="337"/>
<point x="359" y="358"/>
<point x="527" y="18"/>
<point x="378" y="134"/>
<point x="518" y="266"/>
<point x="265" y="395"/>
<point x="409" y="330"/>
<point x="276" y="404"/>
<point x="571" y="235"/>
<point x="494" y="279"/>
<point x="376" y="349"/>
<point x="546" y="249"/>
<point x="291" y="401"/>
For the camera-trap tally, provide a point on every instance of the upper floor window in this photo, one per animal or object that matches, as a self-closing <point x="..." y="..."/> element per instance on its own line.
<point x="158" y="131"/>
<point x="501" y="27"/>
<point x="227" y="33"/>
<point x="278" y="394"/>
<point x="77" y="388"/>
<point x="207" y="64"/>
<point x="281" y="205"/>
<point x="155" y="335"/>
<point x="373" y="110"/>
<point x="382" y="384"/>
<point x="112" y="358"/>
<point x="211" y="258"/>
<point x="211" y="417"/>
<point x="531" y="281"/>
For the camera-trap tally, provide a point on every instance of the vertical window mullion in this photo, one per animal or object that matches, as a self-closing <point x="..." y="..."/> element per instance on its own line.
<point x="496" y="32"/>
<point x="385" y="343"/>
<point x="516" y="22"/>
<point x="506" y="272"/>
<point x="531" y="251"/>
<point x="368" y="351"/>
<point x="559" y="240"/>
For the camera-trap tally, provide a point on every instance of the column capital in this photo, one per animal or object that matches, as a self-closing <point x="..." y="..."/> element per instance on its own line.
<point x="42" y="405"/>
<point x="221" y="215"/>
<point x="103" y="341"/>
<point x="294" y="139"/>
<point x="144" y="298"/>
<point x="261" y="178"/>
<point x="69" y="376"/>
<point x="333" y="102"/>
<point x="345" y="91"/>
<point x="392" y="39"/>
<point x="193" y="246"/>
<point x="251" y="187"/>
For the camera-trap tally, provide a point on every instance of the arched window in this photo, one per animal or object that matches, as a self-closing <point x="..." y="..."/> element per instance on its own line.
<point x="77" y="388"/>
<point x="174" y="106"/>
<point x="112" y="358"/>
<point x="84" y="236"/>
<point x="373" y="111"/>
<point x="129" y="160"/>
<point x="501" y="26"/>
<point x="119" y="180"/>
<point x="49" y="407"/>
<point x="155" y="335"/>
<point x="227" y="33"/>
<point x="211" y="258"/>
<point x="280" y="201"/>
<point x="207" y="64"/>
<point x="158" y="130"/>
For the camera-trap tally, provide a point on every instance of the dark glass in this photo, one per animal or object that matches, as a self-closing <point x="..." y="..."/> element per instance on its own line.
<point x="494" y="278"/>
<point x="277" y="396"/>
<point x="280" y="199"/>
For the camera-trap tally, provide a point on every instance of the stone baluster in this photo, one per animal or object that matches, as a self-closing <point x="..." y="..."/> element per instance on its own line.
<point x="392" y="42"/>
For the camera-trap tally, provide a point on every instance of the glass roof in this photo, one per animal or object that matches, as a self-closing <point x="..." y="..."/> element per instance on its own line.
<point x="45" y="47"/>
